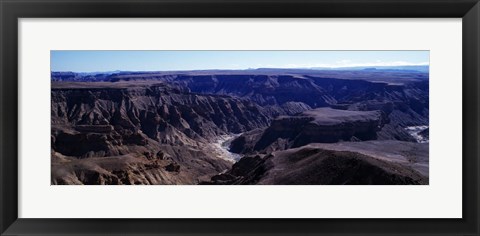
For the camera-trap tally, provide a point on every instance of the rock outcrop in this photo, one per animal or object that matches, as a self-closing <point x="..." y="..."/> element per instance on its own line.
<point x="333" y="164"/>
<point x="110" y="120"/>
<point x="322" y="125"/>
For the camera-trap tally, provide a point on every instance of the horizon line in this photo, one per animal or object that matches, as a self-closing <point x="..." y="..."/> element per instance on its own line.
<point x="239" y="69"/>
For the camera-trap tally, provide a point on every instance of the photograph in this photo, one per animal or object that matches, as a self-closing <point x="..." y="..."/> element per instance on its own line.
<point x="239" y="117"/>
<point x="275" y="117"/>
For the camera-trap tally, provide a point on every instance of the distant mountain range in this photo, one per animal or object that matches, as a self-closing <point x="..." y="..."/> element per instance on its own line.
<point x="412" y="68"/>
<point x="387" y="68"/>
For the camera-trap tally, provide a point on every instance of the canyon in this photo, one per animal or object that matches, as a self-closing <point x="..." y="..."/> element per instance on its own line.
<point x="268" y="126"/>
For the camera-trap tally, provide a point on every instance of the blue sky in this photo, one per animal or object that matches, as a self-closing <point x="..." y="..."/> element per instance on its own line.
<point x="98" y="61"/>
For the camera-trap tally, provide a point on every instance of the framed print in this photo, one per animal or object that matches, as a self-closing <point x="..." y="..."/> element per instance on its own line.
<point x="255" y="118"/>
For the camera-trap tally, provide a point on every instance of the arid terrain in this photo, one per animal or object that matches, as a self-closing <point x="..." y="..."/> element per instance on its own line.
<point x="263" y="126"/>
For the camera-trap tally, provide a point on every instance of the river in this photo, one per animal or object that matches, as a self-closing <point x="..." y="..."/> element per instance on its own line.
<point x="221" y="148"/>
<point x="414" y="131"/>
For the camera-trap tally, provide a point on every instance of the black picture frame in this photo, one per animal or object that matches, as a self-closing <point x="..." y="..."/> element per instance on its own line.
<point x="12" y="10"/>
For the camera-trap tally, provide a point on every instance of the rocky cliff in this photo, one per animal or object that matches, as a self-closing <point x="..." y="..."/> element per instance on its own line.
<point x="153" y="123"/>
<point x="353" y="163"/>
<point x="321" y="125"/>
<point x="404" y="102"/>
